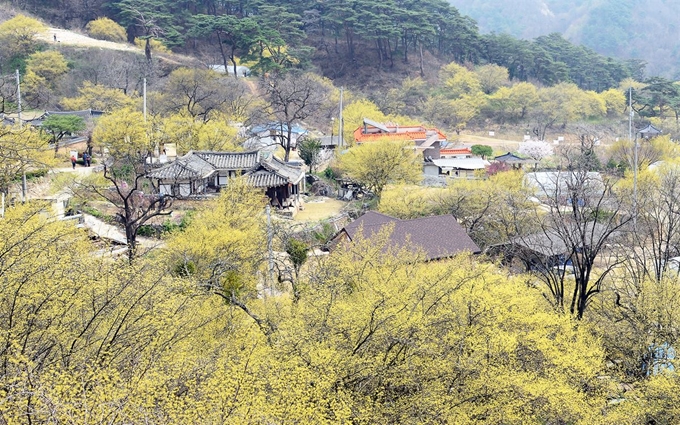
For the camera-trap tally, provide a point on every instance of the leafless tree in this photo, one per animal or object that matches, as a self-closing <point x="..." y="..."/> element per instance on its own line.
<point x="8" y="94"/>
<point x="129" y="190"/>
<point x="293" y="98"/>
<point x="578" y="221"/>
<point x="656" y="237"/>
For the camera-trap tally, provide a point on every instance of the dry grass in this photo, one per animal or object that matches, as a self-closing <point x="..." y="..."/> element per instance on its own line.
<point x="71" y="38"/>
<point x="315" y="211"/>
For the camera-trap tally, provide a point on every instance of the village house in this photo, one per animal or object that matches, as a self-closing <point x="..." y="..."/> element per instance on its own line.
<point x="460" y="168"/>
<point x="545" y="250"/>
<point x="427" y="140"/>
<point x="268" y="136"/>
<point x="649" y="132"/>
<point x="436" y="237"/>
<point x="204" y="172"/>
<point x="455" y="162"/>
<point x="437" y="158"/>
<point x="457" y="152"/>
<point x="514" y="161"/>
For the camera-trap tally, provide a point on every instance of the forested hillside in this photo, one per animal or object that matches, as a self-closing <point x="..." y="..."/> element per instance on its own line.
<point x="623" y="28"/>
<point x="164" y="259"/>
<point x="349" y="41"/>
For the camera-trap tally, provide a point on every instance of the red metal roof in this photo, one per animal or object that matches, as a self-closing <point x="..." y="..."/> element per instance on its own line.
<point x="455" y="151"/>
<point x="409" y="132"/>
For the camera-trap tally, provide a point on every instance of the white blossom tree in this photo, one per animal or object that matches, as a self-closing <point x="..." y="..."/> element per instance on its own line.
<point x="535" y="149"/>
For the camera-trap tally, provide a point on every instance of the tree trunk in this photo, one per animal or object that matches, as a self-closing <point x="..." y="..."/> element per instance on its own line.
<point x="224" y="54"/>
<point x="405" y="49"/>
<point x="233" y="61"/>
<point x="131" y="236"/>
<point x="147" y="49"/>
<point x="389" y="52"/>
<point x="288" y="146"/>
<point x="89" y="144"/>
<point x="422" y="68"/>
<point x="56" y="146"/>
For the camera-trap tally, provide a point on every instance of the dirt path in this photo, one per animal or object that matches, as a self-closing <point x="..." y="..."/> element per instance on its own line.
<point x="497" y="144"/>
<point x="71" y="38"/>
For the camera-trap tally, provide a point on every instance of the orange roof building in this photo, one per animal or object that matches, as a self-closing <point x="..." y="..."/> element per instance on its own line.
<point x="427" y="139"/>
<point x="455" y="152"/>
<point x="372" y="131"/>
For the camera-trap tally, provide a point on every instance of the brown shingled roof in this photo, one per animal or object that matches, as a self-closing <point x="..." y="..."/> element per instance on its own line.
<point x="439" y="236"/>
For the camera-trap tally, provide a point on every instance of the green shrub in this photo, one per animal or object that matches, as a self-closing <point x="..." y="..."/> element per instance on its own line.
<point x="169" y="226"/>
<point x="106" y="29"/>
<point x="92" y="211"/>
<point x="31" y="175"/>
<point x="98" y="214"/>
<point x="324" y="234"/>
<point x="297" y="250"/>
<point x="146" y="231"/>
<point x="185" y="269"/>
<point x="329" y="173"/>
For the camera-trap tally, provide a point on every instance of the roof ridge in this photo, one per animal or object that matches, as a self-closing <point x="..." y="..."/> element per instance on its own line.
<point x="225" y="153"/>
<point x="429" y="217"/>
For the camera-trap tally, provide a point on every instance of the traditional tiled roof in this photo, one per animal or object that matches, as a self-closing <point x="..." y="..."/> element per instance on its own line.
<point x="438" y="237"/>
<point x="371" y="218"/>
<point x="272" y="172"/>
<point x="294" y="174"/>
<point x="230" y="160"/>
<point x="264" y="178"/>
<point x="510" y="157"/>
<point x="85" y="113"/>
<point x="551" y="242"/>
<point x="187" y="167"/>
<point x="650" y="129"/>
<point x="260" y="172"/>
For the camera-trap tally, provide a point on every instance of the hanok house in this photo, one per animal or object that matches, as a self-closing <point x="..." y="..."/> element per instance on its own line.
<point x="514" y="161"/>
<point x="548" y="249"/>
<point x="437" y="237"/>
<point x="202" y="172"/>
<point x="429" y="140"/>
<point x="649" y="132"/>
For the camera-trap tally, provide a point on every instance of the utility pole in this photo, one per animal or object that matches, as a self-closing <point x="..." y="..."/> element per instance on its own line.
<point x="144" y="94"/>
<point x="341" y="126"/>
<point x="635" y="154"/>
<point x="270" y="236"/>
<point x="18" y="98"/>
<point x="24" y="188"/>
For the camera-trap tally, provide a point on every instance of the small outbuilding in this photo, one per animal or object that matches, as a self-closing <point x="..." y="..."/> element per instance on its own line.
<point x="649" y="132"/>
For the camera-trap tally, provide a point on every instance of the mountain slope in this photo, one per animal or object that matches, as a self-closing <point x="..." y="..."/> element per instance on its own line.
<point x="646" y="30"/>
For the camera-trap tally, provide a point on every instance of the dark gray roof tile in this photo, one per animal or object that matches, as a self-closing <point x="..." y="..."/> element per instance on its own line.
<point x="438" y="237"/>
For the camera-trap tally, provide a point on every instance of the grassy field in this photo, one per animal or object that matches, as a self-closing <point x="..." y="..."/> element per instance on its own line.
<point x="315" y="211"/>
